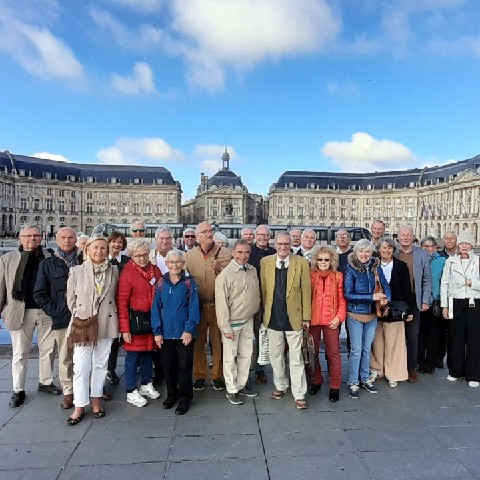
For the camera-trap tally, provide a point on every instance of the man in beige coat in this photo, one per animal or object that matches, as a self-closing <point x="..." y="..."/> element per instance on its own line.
<point x="21" y="314"/>
<point x="237" y="299"/>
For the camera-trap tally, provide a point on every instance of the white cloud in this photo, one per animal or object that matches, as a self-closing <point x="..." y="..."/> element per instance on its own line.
<point x="141" y="82"/>
<point x="365" y="153"/>
<point x="139" y="151"/>
<point x="148" y="6"/>
<point x="211" y="157"/>
<point x="211" y="166"/>
<point x="51" y="156"/>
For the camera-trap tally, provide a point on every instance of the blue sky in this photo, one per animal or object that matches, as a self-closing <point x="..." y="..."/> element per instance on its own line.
<point x="331" y="85"/>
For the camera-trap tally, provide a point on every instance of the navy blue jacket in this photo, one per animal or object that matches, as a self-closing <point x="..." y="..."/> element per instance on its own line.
<point x="359" y="285"/>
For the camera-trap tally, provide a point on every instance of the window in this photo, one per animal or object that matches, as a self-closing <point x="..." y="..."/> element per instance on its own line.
<point x="61" y="206"/>
<point x="73" y="208"/>
<point x="90" y="179"/>
<point x="21" y="172"/>
<point x="49" y="205"/>
<point x="113" y="180"/>
<point x="89" y="207"/>
<point x="23" y="204"/>
<point x="36" y="205"/>
<point x="89" y="195"/>
<point x="61" y="193"/>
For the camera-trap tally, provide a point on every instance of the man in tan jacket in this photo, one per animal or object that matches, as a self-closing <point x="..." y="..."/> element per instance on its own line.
<point x="204" y="263"/>
<point x="237" y="299"/>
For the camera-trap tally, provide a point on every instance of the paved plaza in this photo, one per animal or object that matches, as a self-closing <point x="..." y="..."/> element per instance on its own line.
<point x="430" y="430"/>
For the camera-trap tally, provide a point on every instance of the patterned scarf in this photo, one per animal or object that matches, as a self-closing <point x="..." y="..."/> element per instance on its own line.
<point x="148" y="274"/>
<point x="69" y="258"/>
<point x="99" y="275"/>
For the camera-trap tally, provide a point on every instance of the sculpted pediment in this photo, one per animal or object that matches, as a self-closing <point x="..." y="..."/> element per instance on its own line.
<point x="466" y="176"/>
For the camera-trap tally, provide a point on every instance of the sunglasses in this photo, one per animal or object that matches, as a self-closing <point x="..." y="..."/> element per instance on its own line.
<point x="135" y="230"/>
<point x="323" y="259"/>
<point x="189" y="236"/>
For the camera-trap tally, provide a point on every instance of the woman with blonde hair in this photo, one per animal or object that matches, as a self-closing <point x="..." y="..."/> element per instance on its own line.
<point x="328" y="313"/>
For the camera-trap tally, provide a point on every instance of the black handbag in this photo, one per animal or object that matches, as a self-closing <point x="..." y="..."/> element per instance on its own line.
<point x="398" y="310"/>
<point x="308" y="349"/>
<point x="139" y="322"/>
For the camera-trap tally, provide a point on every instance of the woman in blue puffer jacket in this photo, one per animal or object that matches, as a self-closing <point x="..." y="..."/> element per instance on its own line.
<point x="361" y="312"/>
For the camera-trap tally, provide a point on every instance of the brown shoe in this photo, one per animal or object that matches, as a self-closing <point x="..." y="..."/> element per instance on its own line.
<point x="412" y="377"/>
<point x="261" y="377"/>
<point x="67" y="402"/>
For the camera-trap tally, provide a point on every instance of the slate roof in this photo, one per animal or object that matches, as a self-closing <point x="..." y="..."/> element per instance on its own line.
<point x="225" y="178"/>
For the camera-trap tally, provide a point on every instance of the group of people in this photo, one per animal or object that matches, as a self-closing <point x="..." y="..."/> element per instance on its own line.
<point x="403" y="307"/>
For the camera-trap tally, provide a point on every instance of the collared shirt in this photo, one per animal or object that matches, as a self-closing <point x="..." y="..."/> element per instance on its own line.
<point x="279" y="265"/>
<point x="296" y="249"/>
<point x="242" y="267"/>
<point x="160" y="259"/>
<point x="387" y="270"/>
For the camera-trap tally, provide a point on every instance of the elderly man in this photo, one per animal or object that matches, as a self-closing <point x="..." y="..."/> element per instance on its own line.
<point x="188" y="240"/>
<point x="285" y="286"/>
<point x="296" y="238"/>
<point x="450" y="240"/>
<point x="50" y="294"/>
<point x="247" y="234"/>
<point x="164" y="242"/>
<point x="204" y="263"/>
<point x="418" y="262"/>
<point x="307" y="240"/>
<point x="237" y="299"/>
<point x="342" y="242"/>
<point x="377" y="231"/>
<point x="21" y="313"/>
<point x="137" y="230"/>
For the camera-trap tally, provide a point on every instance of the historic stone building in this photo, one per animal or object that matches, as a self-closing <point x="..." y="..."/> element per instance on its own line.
<point x="223" y="198"/>
<point x="52" y="194"/>
<point x="432" y="200"/>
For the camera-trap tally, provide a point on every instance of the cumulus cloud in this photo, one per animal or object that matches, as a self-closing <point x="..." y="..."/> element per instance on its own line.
<point x="51" y="156"/>
<point x="365" y="153"/>
<point x="211" y="156"/>
<point x="141" y="82"/>
<point x="139" y="151"/>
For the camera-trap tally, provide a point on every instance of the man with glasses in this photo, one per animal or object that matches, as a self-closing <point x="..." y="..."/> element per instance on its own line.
<point x="285" y="287"/>
<point x="296" y="238"/>
<point x="21" y="313"/>
<point x="307" y="239"/>
<point x="342" y="242"/>
<point x="189" y="240"/>
<point x="204" y="263"/>
<point x="138" y="230"/>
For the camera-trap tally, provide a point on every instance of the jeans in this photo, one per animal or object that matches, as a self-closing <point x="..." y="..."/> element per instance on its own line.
<point x="361" y="338"/>
<point x="132" y="359"/>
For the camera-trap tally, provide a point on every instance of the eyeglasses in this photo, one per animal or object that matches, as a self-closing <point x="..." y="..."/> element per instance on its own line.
<point x="34" y="235"/>
<point x="342" y="236"/>
<point x="283" y="244"/>
<point x="429" y="246"/>
<point x="141" y="255"/>
<point x="207" y="232"/>
<point x="135" y="230"/>
<point x="189" y="236"/>
<point x="323" y="259"/>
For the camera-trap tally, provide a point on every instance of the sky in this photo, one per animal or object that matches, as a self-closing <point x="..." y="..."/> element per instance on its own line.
<point x="314" y="85"/>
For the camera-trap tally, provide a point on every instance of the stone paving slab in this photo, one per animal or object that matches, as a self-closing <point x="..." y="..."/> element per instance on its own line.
<point x="143" y="471"/>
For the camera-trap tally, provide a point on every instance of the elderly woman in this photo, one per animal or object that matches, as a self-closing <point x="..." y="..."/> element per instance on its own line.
<point x="175" y="318"/>
<point x="389" y="350"/>
<point x="460" y="301"/>
<point x="361" y="276"/>
<point x="91" y="291"/>
<point x="220" y="239"/>
<point x="136" y="289"/>
<point x="82" y="240"/>
<point x="328" y="313"/>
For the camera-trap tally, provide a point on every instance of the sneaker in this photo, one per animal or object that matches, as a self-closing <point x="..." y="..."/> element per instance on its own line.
<point x="218" y="384"/>
<point x="353" y="392"/>
<point x="247" y="393"/>
<point x="473" y="384"/>
<point x="136" y="399"/>
<point x="112" y="377"/>
<point x="451" y="379"/>
<point x="392" y="384"/>
<point x="373" y="376"/>
<point x="199" y="384"/>
<point x="149" y="391"/>
<point x="234" y="399"/>
<point x="368" y="387"/>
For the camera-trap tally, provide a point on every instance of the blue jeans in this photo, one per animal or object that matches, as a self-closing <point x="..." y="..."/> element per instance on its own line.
<point x="361" y="338"/>
<point x="132" y="359"/>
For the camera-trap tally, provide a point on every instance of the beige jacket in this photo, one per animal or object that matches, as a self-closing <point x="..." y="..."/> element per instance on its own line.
<point x="205" y="268"/>
<point x="12" y="310"/>
<point x="237" y="295"/>
<point x="80" y="294"/>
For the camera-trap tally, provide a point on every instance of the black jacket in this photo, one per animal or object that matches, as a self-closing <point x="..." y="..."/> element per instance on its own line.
<point x="51" y="291"/>
<point x="401" y="287"/>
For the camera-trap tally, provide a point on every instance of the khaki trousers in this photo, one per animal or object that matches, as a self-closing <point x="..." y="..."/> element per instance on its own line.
<point x="65" y="361"/>
<point x="389" y="351"/>
<point x="208" y="323"/>
<point x="298" y="377"/>
<point x="237" y="355"/>
<point x="22" y="343"/>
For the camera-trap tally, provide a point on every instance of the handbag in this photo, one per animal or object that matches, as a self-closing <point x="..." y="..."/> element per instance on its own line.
<point x="436" y="309"/>
<point x="398" y="310"/>
<point x="382" y="310"/>
<point x="263" y="348"/>
<point x="139" y="322"/>
<point x="83" y="332"/>
<point x="308" y="349"/>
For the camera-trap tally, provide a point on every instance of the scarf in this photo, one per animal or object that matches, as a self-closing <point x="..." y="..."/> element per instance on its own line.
<point x="69" y="258"/>
<point x="18" y="289"/>
<point x="99" y="275"/>
<point x="148" y="274"/>
<point x="330" y="276"/>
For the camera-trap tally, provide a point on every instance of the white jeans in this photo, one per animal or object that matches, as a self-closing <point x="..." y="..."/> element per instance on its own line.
<point x="65" y="361"/>
<point x="90" y="359"/>
<point x="22" y="343"/>
<point x="237" y="356"/>
<point x="298" y="377"/>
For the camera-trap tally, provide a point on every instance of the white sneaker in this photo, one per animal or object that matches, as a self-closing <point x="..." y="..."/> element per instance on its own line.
<point x="136" y="399"/>
<point x="451" y="379"/>
<point x="149" y="391"/>
<point x="373" y="376"/>
<point x="473" y="384"/>
<point x="392" y="384"/>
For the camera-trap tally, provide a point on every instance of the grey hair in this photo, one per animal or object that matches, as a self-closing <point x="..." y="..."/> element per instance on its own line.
<point x="240" y="242"/>
<point x="282" y="232"/>
<point x="27" y="226"/>
<point x="66" y="228"/>
<point x="139" y="223"/>
<point x="428" y="238"/>
<point x="242" y="231"/>
<point x="161" y="230"/>
<point x="389" y="241"/>
<point x="189" y="229"/>
<point x="137" y="244"/>
<point x="174" y="252"/>
<point x="364" y="244"/>
<point x="308" y="230"/>
<point x="220" y="236"/>
<point x="262" y="226"/>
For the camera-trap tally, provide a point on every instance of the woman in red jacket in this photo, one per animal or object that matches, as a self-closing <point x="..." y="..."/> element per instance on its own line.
<point x="328" y="313"/>
<point x="136" y="289"/>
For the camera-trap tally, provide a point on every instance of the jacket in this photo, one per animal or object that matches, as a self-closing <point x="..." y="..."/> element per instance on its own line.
<point x="175" y="308"/>
<point x="322" y="307"/>
<point x="134" y="292"/>
<point x="205" y="268"/>
<point x="237" y="295"/>
<point x="437" y="262"/>
<point x="298" y="289"/>
<point x="454" y="276"/>
<point x="80" y="298"/>
<point x="51" y="290"/>
<point x="12" y="310"/>
<point x="360" y="284"/>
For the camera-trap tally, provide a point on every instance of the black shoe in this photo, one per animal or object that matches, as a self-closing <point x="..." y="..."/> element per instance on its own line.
<point x="368" y="386"/>
<point x="218" y="384"/>
<point x="234" y="398"/>
<point x="17" y="399"/>
<point x="425" y="370"/>
<point x="261" y="377"/>
<point x="199" y="384"/>
<point x="440" y="363"/>
<point x="50" y="389"/>
<point x="247" y="393"/>
<point x="334" y="395"/>
<point x="314" y="389"/>
<point x="112" y="377"/>
<point x="182" y="407"/>
<point x="170" y="401"/>
<point x="248" y="385"/>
